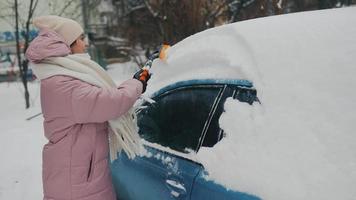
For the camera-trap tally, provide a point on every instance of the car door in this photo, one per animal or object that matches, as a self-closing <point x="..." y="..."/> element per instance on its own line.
<point x="175" y="121"/>
<point x="158" y="175"/>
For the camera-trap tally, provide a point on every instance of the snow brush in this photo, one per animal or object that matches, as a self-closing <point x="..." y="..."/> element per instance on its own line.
<point x="161" y="54"/>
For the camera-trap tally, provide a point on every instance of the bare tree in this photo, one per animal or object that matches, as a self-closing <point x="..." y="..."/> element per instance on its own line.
<point x="146" y="24"/>
<point x="216" y="12"/>
<point x="23" y="63"/>
<point x="179" y="19"/>
<point x="68" y="8"/>
<point x="152" y="22"/>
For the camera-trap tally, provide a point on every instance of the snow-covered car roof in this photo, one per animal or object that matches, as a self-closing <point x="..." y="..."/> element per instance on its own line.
<point x="300" y="142"/>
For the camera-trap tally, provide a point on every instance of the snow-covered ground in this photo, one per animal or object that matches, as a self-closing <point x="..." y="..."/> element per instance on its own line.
<point x="21" y="143"/>
<point x="298" y="144"/>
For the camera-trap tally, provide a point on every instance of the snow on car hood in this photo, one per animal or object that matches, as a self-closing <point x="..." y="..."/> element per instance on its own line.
<point x="300" y="142"/>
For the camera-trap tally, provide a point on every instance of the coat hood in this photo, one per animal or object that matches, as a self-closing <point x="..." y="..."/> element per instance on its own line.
<point x="47" y="44"/>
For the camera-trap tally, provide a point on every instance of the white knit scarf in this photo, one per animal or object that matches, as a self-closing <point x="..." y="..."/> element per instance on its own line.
<point x="123" y="131"/>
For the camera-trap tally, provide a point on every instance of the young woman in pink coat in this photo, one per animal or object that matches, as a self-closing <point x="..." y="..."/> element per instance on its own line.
<point x="77" y="102"/>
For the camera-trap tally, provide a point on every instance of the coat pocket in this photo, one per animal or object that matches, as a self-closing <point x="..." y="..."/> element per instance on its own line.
<point x="91" y="168"/>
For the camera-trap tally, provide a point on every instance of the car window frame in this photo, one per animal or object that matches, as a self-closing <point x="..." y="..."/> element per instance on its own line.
<point x="210" y="117"/>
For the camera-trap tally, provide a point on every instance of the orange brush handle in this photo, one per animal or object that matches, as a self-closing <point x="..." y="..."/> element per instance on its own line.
<point x="144" y="75"/>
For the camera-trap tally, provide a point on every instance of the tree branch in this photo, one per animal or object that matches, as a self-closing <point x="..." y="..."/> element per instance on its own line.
<point x="150" y="9"/>
<point x="65" y="7"/>
<point x="218" y="11"/>
<point x="34" y="8"/>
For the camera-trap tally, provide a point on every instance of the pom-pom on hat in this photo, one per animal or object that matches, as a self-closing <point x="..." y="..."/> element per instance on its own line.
<point x="69" y="29"/>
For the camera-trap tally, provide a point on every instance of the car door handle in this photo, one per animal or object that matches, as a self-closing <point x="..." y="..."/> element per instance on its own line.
<point x="177" y="189"/>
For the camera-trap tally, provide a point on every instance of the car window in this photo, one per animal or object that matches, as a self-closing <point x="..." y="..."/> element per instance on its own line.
<point x="178" y="117"/>
<point x="214" y="133"/>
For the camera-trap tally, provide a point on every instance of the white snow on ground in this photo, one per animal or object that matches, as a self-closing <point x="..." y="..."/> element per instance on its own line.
<point x="299" y="144"/>
<point x="21" y="144"/>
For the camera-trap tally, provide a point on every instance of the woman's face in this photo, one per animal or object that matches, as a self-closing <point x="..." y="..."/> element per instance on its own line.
<point x="79" y="45"/>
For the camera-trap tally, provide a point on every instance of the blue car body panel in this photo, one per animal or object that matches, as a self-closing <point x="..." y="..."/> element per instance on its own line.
<point x="163" y="175"/>
<point x="159" y="176"/>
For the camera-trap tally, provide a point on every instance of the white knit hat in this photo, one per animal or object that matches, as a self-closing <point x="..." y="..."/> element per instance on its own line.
<point x="69" y="29"/>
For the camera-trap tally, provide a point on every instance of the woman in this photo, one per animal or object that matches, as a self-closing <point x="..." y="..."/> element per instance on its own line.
<point x="78" y="99"/>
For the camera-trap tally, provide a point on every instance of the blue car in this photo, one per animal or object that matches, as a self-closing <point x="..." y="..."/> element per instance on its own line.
<point x="183" y="119"/>
<point x="298" y="143"/>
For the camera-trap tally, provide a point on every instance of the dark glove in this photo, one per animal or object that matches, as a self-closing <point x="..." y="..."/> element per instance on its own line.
<point x="143" y="75"/>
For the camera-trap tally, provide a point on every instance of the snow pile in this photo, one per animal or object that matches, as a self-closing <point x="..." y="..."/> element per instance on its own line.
<point x="191" y="59"/>
<point x="299" y="144"/>
<point x="279" y="159"/>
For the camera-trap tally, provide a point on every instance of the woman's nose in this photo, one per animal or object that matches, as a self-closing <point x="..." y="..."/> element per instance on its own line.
<point x="86" y="42"/>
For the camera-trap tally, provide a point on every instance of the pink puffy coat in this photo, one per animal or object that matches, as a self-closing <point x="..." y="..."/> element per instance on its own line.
<point x="75" y="160"/>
